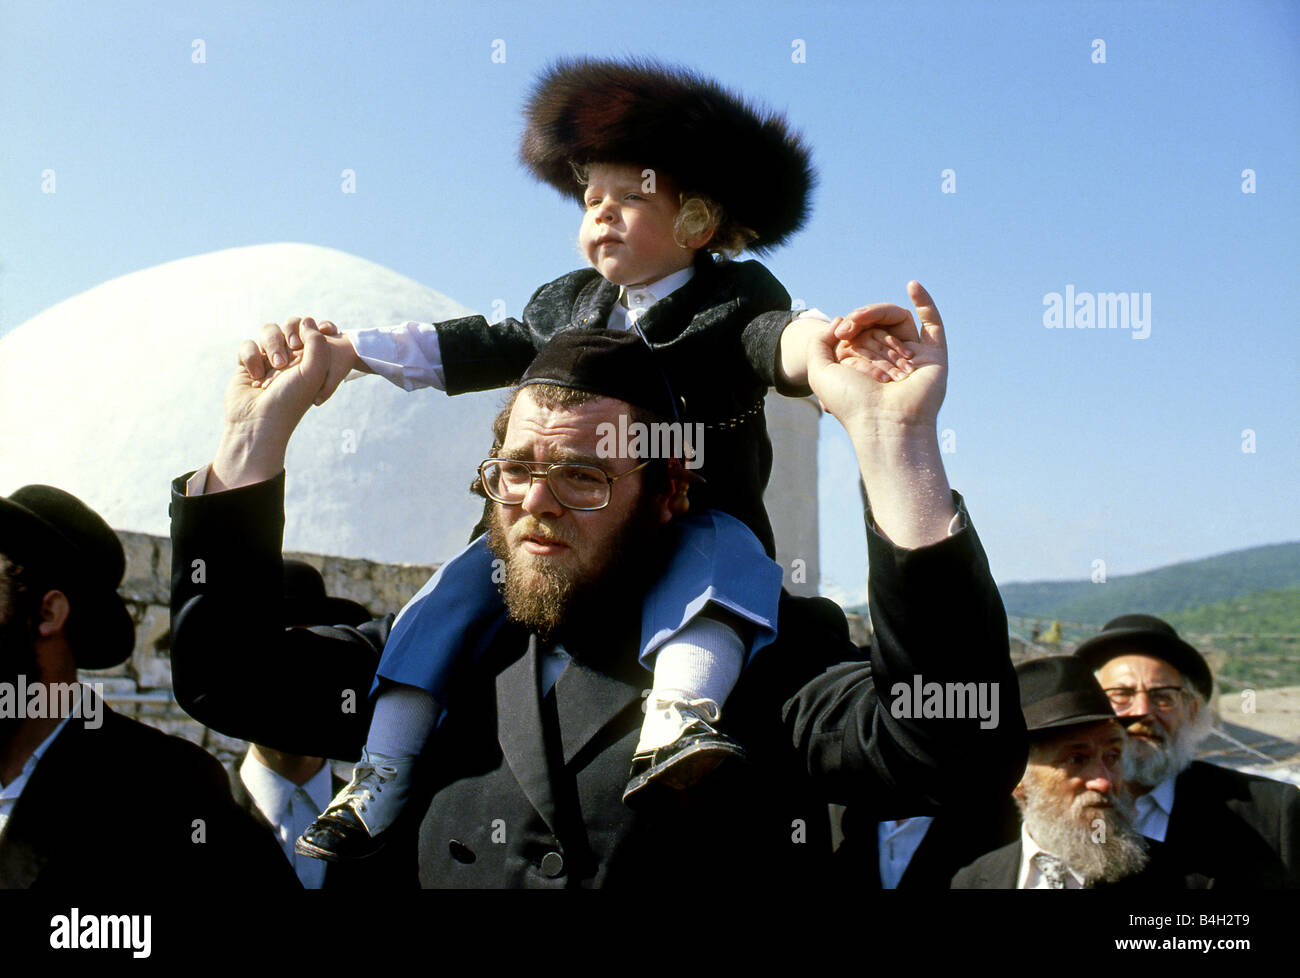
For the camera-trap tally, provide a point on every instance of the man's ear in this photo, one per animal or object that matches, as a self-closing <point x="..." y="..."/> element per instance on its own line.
<point x="675" y="501"/>
<point x="54" y="614"/>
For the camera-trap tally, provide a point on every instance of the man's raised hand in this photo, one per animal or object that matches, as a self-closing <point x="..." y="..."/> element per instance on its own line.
<point x="277" y="344"/>
<point x="261" y="417"/>
<point x="892" y="423"/>
<point x="845" y="367"/>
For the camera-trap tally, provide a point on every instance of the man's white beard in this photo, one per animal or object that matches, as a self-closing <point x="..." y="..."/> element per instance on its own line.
<point x="1064" y="828"/>
<point x="1148" y="763"/>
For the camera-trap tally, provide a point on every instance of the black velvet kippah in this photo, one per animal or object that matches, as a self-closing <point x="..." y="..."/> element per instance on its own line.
<point x="607" y="362"/>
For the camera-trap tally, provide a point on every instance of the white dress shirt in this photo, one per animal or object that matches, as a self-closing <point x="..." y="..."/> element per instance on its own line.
<point x="10" y="793"/>
<point x="1152" y="810"/>
<point x="896" y="843"/>
<point x="289" y="808"/>
<point x="1031" y="877"/>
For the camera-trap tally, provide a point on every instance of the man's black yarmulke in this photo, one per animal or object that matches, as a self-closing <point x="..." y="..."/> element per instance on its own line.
<point x="705" y="137"/>
<point x="608" y="362"/>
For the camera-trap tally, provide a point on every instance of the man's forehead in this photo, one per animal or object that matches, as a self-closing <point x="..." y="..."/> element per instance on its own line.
<point x="1088" y="736"/>
<point x="1139" y="669"/>
<point x="550" y="428"/>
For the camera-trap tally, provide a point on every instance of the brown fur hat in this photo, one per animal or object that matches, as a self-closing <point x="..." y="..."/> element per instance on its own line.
<point x="648" y="114"/>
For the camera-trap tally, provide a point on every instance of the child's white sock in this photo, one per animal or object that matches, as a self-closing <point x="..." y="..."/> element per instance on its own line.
<point x="701" y="662"/>
<point x="403" y="718"/>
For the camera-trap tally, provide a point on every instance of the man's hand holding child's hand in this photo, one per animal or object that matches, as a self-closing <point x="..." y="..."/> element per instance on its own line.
<point x="279" y="347"/>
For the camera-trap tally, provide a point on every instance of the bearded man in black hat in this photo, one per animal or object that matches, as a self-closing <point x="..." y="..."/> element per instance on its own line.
<point x="523" y="781"/>
<point x="1077" y="830"/>
<point x="65" y="757"/>
<point x="1239" y="829"/>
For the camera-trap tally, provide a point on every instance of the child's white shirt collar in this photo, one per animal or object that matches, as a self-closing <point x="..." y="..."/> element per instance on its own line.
<point x="634" y="301"/>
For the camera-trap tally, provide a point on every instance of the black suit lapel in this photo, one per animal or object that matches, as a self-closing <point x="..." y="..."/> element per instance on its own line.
<point x="521" y="734"/>
<point x="21" y="858"/>
<point x="1008" y="870"/>
<point x="587" y="702"/>
<point x="1000" y="870"/>
<point x="50" y="797"/>
<point x="239" y="791"/>
<point x="930" y="850"/>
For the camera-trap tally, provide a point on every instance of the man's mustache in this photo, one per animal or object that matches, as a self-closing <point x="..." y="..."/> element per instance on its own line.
<point x="1094" y="799"/>
<point x="531" y="526"/>
<point x="1144" y="728"/>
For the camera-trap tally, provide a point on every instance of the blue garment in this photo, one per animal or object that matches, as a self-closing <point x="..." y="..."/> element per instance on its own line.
<point x="716" y="559"/>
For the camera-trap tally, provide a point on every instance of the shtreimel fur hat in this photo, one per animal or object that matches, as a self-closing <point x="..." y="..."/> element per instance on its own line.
<point x="648" y="114"/>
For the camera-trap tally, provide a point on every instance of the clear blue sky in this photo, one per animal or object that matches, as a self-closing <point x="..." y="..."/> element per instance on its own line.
<point x="1122" y="176"/>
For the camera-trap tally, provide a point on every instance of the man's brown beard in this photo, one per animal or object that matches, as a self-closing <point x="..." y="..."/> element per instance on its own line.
<point x="551" y="598"/>
<point x="1065" y="828"/>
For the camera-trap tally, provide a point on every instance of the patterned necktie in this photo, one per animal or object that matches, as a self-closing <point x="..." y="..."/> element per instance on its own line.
<point x="1053" y="870"/>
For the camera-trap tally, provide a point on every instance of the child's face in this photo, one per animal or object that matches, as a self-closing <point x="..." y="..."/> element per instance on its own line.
<point x="627" y="233"/>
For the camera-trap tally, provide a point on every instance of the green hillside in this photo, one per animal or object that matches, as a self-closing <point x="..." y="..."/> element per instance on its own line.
<point x="1165" y="591"/>
<point x="1253" y="640"/>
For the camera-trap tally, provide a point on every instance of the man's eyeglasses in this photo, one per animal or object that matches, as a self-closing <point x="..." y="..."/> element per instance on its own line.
<point x="1162" y="697"/>
<point x="575" y="485"/>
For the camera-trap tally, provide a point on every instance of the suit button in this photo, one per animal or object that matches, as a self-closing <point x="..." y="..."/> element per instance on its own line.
<point x="460" y="852"/>
<point x="552" y="865"/>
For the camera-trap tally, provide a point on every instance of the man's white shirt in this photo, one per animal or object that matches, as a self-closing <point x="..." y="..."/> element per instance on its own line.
<point x="896" y="843"/>
<point x="10" y="793"/>
<point x="1152" y="810"/>
<point x="289" y="808"/>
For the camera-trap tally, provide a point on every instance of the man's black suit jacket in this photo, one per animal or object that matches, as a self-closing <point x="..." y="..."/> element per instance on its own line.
<point x="1241" y="830"/>
<point x="959" y="834"/>
<point x="122" y="806"/>
<point x="520" y="790"/>
<point x="1000" y="870"/>
<point x="728" y="317"/>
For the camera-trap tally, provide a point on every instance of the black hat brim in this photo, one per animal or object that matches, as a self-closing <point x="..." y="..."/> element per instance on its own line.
<point x="1111" y="644"/>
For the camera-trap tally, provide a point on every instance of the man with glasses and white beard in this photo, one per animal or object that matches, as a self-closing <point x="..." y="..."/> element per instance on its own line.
<point x="1077" y="831"/>
<point x="1241" y="830"/>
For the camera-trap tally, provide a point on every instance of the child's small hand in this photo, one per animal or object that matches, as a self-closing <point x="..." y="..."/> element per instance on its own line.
<point x="279" y="347"/>
<point x="873" y="350"/>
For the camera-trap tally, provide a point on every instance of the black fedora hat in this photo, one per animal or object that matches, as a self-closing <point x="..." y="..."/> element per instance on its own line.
<point x="67" y="546"/>
<point x="710" y="140"/>
<point x="1060" y="691"/>
<point x="1147" y="635"/>
<point x="306" y="603"/>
